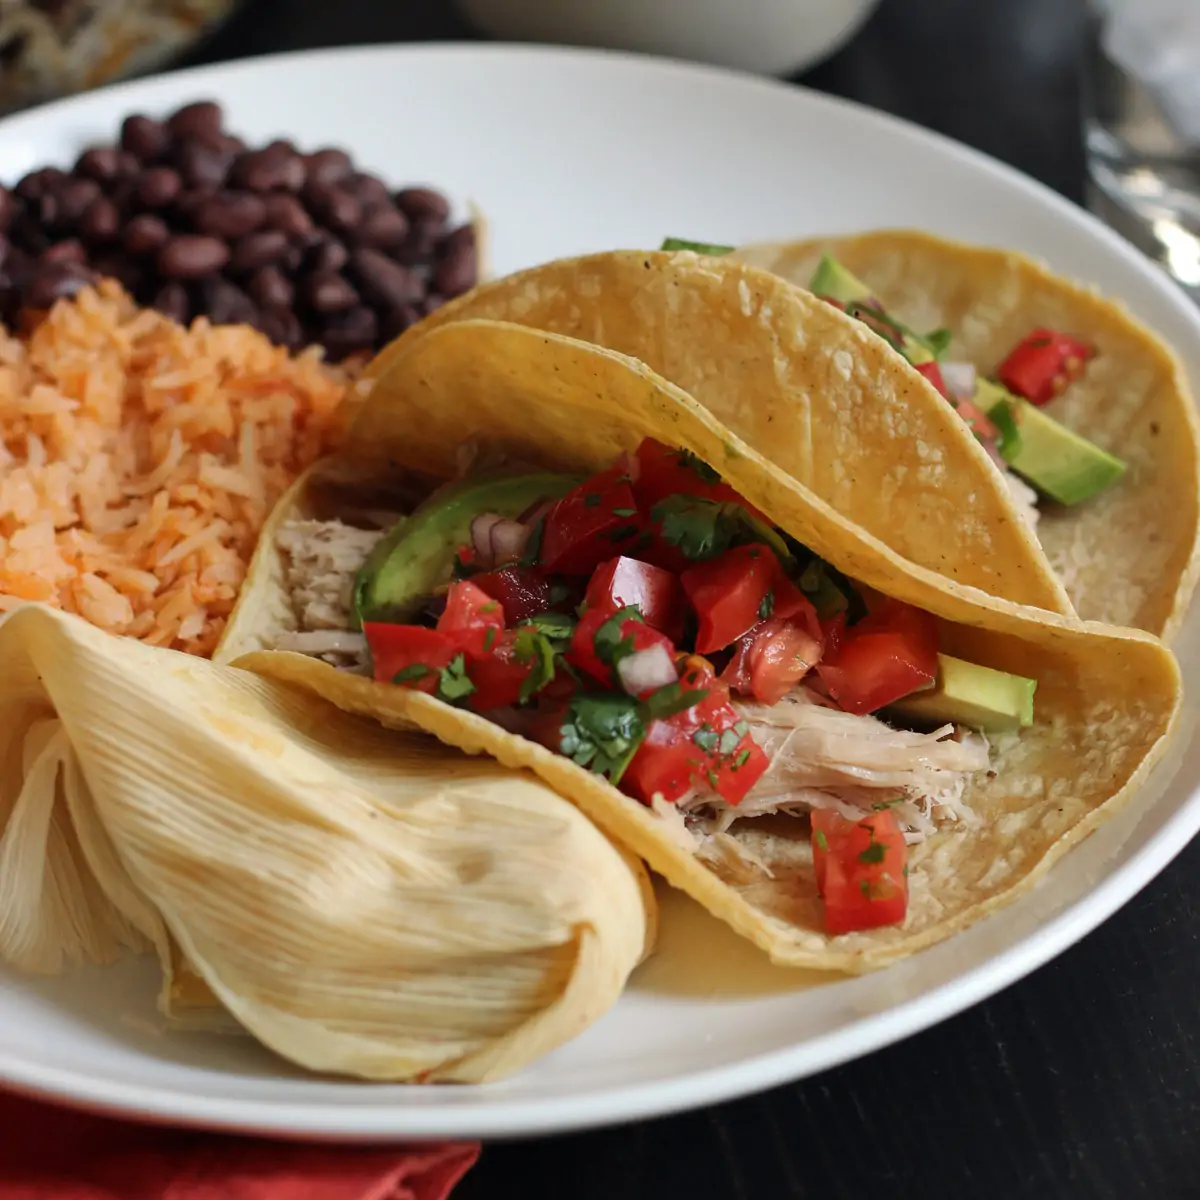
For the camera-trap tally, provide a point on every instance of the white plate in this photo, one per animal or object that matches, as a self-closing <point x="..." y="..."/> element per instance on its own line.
<point x="570" y="152"/>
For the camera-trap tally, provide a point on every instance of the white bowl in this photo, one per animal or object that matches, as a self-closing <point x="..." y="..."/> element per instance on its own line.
<point x="774" y="37"/>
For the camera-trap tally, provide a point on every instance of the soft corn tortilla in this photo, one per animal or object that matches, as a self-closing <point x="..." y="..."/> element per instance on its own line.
<point x="1129" y="555"/>
<point x="1107" y="699"/>
<point x="809" y="388"/>
<point x="363" y="902"/>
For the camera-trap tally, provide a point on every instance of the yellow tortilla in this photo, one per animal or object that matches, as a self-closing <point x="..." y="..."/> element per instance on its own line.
<point x="1129" y="555"/>
<point x="809" y="388"/>
<point x="362" y="902"/>
<point x="1107" y="699"/>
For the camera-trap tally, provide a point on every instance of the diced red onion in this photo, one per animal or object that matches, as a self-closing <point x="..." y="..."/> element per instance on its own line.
<point x="647" y="670"/>
<point x="959" y="378"/>
<point x="508" y="540"/>
<point x="481" y="537"/>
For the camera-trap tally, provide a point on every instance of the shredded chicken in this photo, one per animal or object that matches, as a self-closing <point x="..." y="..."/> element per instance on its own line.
<point x="322" y="560"/>
<point x="824" y="758"/>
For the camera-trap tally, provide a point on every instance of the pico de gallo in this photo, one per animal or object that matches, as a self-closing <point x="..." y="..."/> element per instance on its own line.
<point x="653" y="626"/>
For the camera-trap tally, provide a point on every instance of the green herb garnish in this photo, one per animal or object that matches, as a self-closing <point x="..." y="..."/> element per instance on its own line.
<point x="610" y="644"/>
<point x="1003" y="416"/>
<point x="489" y="638"/>
<point x="411" y="672"/>
<point x="672" y="699"/>
<point x="873" y="853"/>
<point x="821" y="840"/>
<point x="767" y="607"/>
<point x="624" y="512"/>
<point x="700" y="528"/>
<point x="602" y="733"/>
<point x="453" y="684"/>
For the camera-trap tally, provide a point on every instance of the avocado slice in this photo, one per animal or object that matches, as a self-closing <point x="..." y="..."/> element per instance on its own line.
<point x="1058" y="462"/>
<point x="832" y="281"/>
<point x="417" y="555"/>
<point x="674" y="243"/>
<point x="967" y="694"/>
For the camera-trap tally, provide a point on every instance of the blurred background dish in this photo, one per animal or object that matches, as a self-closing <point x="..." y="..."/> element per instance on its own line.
<point x="775" y="37"/>
<point x="51" y="48"/>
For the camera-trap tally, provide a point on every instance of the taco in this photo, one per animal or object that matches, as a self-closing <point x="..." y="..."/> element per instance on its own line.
<point x="361" y="901"/>
<point x="842" y="755"/>
<point x="806" y="386"/>
<point x="1086" y="411"/>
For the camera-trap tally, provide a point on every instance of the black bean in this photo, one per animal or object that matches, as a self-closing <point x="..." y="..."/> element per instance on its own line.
<point x="124" y="195"/>
<point x="122" y="268"/>
<point x="328" y="166"/>
<point x="326" y="292"/>
<point x="271" y="288"/>
<point x="423" y="204"/>
<point x="8" y="208"/>
<point x="292" y="259"/>
<point x="455" y="273"/>
<point x="384" y="228"/>
<point x="367" y="189"/>
<point x="286" y="213"/>
<point x="75" y="197"/>
<point x="226" y="304"/>
<point x="53" y="281"/>
<point x="69" y="251"/>
<point x="6" y="251"/>
<point x="418" y="247"/>
<point x="203" y="166"/>
<point x="128" y="166"/>
<point x="326" y="254"/>
<point x="188" y="256"/>
<point x="275" y="166"/>
<point x="145" y="234"/>
<point x="345" y="332"/>
<point x="384" y="282"/>
<point x="229" y="214"/>
<point x="158" y="187"/>
<point x="39" y="183"/>
<point x="101" y="163"/>
<point x="172" y="301"/>
<point x="332" y="206"/>
<point x="199" y="120"/>
<point x="257" y="250"/>
<point x="101" y="222"/>
<point x="282" y="326"/>
<point x="27" y="232"/>
<point x="145" y="138"/>
<point x="398" y="320"/>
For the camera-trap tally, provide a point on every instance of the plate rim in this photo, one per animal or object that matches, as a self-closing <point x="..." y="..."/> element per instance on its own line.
<point x="504" y="1116"/>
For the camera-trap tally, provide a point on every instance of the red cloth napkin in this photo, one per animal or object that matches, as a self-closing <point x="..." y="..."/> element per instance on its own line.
<point x="49" y="1153"/>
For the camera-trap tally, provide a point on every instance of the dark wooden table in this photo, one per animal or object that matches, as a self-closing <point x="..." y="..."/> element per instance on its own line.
<point x="1081" y="1081"/>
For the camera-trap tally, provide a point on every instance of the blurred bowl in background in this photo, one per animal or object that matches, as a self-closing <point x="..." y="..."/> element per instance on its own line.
<point x="774" y="37"/>
<point x="52" y="48"/>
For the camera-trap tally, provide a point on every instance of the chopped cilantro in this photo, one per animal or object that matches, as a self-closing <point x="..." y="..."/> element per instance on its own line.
<point x="864" y="886"/>
<point x="602" y="733"/>
<point x="591" y="499"/>
<point x="697" y="464"/>
<point x="672" y="699"/>
<point x="742" y="759"/>
<point x="821" y="840"/>
<point x="411" y="672"/>
<point x="533" y="647"/>
<point x="706" y="738"/>
<point x="556" y="626"/>
<point x="874" y="853"/>
<point x="609" y="643"/>
<point x="624" y="512"/>
<point x="767" y="607"/>
<point x="453" y="683"/>
<point x="489" y="638"/>
<point x="938" y="342"/>
<point x="729" y="741"/>
<point x="712" y="778"/>
<point x="700" y="528"/>
<point x="1004" y="417"/>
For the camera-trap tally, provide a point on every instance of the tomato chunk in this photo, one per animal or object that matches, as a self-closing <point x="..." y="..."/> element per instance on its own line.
<point x="1043" y="363"/>
<point x="590" y="524"/>
<point x="654" y="592"/>
<point x="523" y="592"/>
<point x="728" y="593"/>
<point x="933" y="373"/>
<point x="469" y="613"/>
<point x="771" y="659"/>
<point x="980" y="424"/>
<point x="887" y="655"/>
<point x="617" y="636"/>
<point x="498" y="675"/>
<point x="861" y="869"/>
<point x="401" y="649"/>
<point x="664" y="471"/>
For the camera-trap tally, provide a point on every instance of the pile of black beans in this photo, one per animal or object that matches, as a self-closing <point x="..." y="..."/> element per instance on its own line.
<point x="304" y="247"/>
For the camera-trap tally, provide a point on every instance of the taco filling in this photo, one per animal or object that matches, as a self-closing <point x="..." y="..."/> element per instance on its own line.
<point x="654" y="627"/>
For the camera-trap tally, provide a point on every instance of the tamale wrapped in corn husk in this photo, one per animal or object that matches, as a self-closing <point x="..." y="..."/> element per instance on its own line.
<point x="362" y="901"/>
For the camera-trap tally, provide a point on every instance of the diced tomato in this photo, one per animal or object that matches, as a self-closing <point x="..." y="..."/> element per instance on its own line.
<point x="771" y="659"/>
<point x="888" y="654"/>
<point x="977" y="420"/>
<point x="402" y="648"/>
<point x="469" y="613"/>
<point x="664" y="471"/>
<point x="466" y="555"/>
<point x="523" y="592"/>
<point x="664" y="764"/>
<point x="654" y="592"/>
<point x="933" y="373"/>
<point x="498" y="675"/>
<point x="1043" y="363"/>
<point x="590" y="524"/>
<point x="583" y="655"/>
<point x="728" y="592"/>
<point x="861" y="870"/>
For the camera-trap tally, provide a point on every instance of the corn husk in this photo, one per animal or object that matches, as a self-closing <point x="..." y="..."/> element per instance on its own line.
<point x="361" y="901"/>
